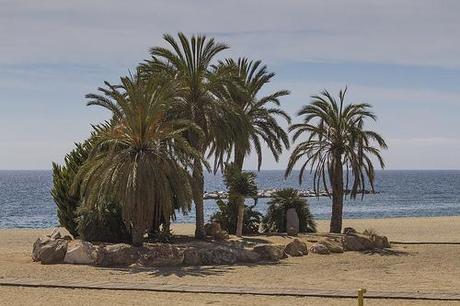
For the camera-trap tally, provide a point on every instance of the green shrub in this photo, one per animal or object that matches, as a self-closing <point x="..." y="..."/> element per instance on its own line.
<point x="104" y="224"/>
<point x="63" y="176"/>
<point x="227" y="216"/>
<point x="275" y="220"/>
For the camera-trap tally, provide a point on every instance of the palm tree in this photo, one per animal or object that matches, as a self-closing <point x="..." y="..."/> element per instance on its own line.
<point x="241" y="185"/>
<point x="188" y="61"/>
<point x="139" y="158"/>
<point x="336" y="139"/>
<point x="260" y="113"/>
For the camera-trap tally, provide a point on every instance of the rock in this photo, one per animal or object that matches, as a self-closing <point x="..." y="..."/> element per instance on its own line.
<point x="217" y="256"/>
<point x="318" y="248"/>
<point x="270" y="251"/>
<point x="80" y="252"/>
<point x="357" y="242"/>
<point x="119" y="254"/>
<point x="380" y="242"/>
<point x="49" y="251"/>
<point x="192" y="257"/>
<point x="214" y="230"/>
<point x="349" y="231"/>
<point x="222" y="235"/>
<point x="209" y="256"/>
<point x="292" y="222"/>
<point x="38" y="246"/>
<point x="296" y="248"/>
<point x="245" y="255"/>
<point x="332" y="245"/>
<point x="60" y="233"/>
<point x="160" y="255"/>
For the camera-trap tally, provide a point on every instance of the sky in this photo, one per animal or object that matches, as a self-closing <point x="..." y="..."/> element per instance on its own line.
<point x="403" y="57"/>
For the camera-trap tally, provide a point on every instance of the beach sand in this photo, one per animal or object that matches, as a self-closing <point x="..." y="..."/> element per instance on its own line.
<point x="424" y="268"/>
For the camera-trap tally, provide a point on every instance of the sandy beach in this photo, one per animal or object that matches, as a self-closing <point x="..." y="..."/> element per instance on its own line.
<point x="412" y="267"/>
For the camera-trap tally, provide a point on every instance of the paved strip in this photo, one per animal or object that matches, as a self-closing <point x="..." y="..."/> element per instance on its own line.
<point x="183" y="288"/>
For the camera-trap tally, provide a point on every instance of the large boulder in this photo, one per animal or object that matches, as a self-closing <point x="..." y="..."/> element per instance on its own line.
<point x="211" y="256"/>
<point x="357" y="242"/>
<point x="296" y="248"/>
<point x="217" y="256"/>
<point x="318" y="248"/>
<point x="60" y="233"/>
<point x="49" y="251"/>
<point x="192" y="257"/>
<point x="38" y="246"/>
<point x="332" y="245"/>
<point x="271" y="252"/>
<point x="80" y="252"/>
<point x="292" y="222"/>
<point x="160" y="255"/>
<point x="119" y="254"/>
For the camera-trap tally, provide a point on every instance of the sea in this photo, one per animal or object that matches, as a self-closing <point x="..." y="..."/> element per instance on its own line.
<point x="25" y="200"/>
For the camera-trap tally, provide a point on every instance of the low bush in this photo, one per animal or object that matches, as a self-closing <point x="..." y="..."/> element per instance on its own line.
<point x="103" y="225"/>
<point x="275" y="220"/>
<point x="227" y="216"/>
<point x="67" y="202"/>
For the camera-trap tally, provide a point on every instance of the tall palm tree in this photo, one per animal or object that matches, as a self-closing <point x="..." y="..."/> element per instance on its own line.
<point x="336" y="139"/>
<point x="260" y="113"/>
<point x="188" y="61"/>
<point x="139" y="158"/>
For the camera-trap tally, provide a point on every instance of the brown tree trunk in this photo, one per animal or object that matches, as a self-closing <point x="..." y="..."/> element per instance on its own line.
<point x="197" y="190"/>
<point x="337" y="195"/>
<point x="239" y="159"/>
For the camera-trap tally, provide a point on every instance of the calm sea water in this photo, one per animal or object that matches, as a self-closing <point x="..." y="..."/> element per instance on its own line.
<point x="25" y="199"/>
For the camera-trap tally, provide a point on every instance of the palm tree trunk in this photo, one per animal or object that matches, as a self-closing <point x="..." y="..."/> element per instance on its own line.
<point x="197" y="190"/>
<point x="239" y="159"/>
<point x="337" y="196"/>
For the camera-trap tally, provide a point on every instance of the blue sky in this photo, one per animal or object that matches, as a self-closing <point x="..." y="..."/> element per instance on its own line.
<point x="403" y="57"/>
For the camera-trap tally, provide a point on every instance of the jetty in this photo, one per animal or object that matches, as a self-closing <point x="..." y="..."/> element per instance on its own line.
<point x="269" y="193"/>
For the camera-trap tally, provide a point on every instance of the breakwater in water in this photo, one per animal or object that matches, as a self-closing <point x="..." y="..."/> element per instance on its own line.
<point x="269" y="193"/>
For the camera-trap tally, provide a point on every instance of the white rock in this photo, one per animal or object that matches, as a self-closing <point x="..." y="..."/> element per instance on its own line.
<point x="80" y="252"/>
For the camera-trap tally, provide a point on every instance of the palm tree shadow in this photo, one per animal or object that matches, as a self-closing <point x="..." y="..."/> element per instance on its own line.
<point x="182" y="271"/>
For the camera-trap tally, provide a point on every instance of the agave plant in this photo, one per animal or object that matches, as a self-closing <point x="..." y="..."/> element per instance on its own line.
<point x="140" y="157"/>
<point x="336" y="139"/>
<point x="188" y="61"/>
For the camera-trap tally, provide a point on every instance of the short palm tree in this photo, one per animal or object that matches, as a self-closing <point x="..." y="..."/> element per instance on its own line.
<point x="241" y="185"/>
<point x="247" y="80"/>
<point x="336" y="139"/>
<point x="188" y="61"/>
<point x="139" y="158"/>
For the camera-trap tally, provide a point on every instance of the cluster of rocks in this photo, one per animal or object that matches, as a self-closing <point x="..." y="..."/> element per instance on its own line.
<point x="60" y="247"/>
<point x="268" y="193"/>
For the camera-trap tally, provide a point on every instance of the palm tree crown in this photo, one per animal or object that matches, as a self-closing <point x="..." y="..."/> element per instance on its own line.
<point x="260" y="113"/>
<point x="140" y="158"/>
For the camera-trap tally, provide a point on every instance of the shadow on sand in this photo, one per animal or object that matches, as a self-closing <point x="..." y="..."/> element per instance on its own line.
<point x="196" y="271"/>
